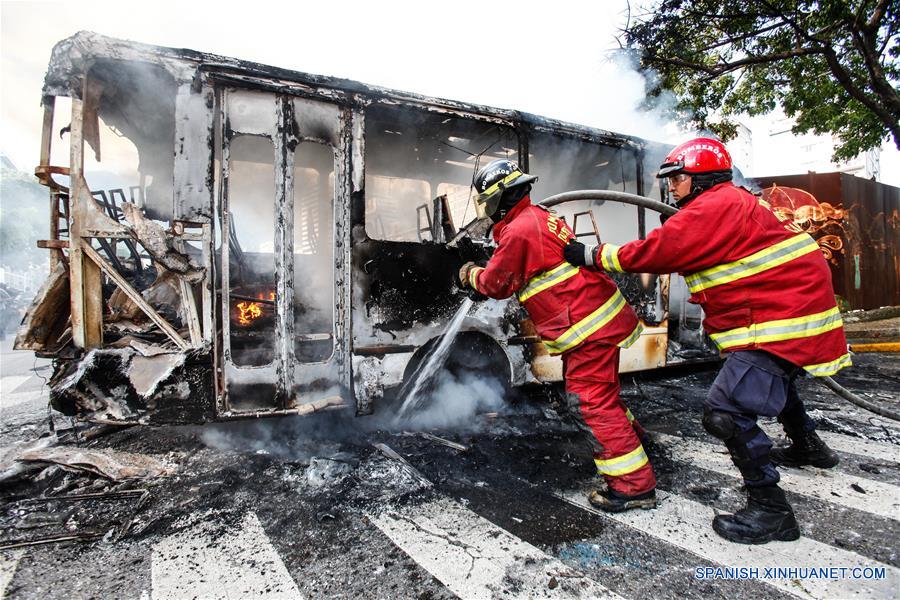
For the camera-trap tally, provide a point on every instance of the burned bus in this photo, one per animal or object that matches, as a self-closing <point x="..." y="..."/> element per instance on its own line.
<point x="287" y="243"/>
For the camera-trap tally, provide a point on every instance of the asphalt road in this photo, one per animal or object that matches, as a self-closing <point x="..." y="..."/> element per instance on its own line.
<point x="310" y="508"/>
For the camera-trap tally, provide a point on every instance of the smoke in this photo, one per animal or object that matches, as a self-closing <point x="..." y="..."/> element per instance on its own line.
<point x="591" y="85"/>
<point x="295" y="439"/>
<point x="456" y="401"/>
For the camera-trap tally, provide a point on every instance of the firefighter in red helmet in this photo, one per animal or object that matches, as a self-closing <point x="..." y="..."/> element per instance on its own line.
<point x="579" y="314"/>
<point x="766" y="292"/>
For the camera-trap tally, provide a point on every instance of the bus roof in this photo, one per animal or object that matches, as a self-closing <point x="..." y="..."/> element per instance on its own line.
<point x="73" y="56"/>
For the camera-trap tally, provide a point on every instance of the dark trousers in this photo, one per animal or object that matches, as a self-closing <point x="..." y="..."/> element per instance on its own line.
<point x="754" y="383"/>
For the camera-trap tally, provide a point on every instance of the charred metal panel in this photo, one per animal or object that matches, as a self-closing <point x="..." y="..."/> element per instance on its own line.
<point x="44" y="326"/>
<point x="648" y="352"/>
<point x="405" y="284"/>
<point x="347" y="177"/>
<point x="299" y="370"/>
<point x="124" y="385"/>
<point x="193" y="177"/>
<point x="284" y="142"/>
<point x="243" y="113"/>
<point x="642" y="290"/>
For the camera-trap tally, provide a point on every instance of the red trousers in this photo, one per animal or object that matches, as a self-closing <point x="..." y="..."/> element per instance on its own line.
<point x="592" y="386"/>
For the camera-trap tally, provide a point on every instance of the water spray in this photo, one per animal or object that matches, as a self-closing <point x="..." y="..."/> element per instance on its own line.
<point x="432" y="363"/>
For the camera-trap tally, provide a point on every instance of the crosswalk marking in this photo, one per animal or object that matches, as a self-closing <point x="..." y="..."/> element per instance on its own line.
<point x="9" y="560"/>
<point x="477" y="559"/>
<point x="850" y="413"/>
<point x="878" y="498"/>
<point x="17" y="398"/>
<point x="203" y="561"/>
<point x="687" y="525"/>
<point x="9" y="383"/>
<point x="845" y="443"/>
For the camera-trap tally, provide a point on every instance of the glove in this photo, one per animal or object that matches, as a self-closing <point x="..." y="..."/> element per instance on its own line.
<point x="464" y="274"/>
<point x="578" y="254"/>
<point x="475" y="296"/>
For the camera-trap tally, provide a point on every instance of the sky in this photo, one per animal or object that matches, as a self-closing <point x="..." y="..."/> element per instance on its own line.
<point x="509" y="55"/>
<point x="551" y="59"/>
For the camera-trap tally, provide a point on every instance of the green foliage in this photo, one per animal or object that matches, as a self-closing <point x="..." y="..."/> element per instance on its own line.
<point x="832" y="64"/>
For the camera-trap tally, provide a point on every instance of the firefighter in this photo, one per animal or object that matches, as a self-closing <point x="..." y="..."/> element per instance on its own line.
<point x="580" y="314"/>
<point x="766" y="292"/>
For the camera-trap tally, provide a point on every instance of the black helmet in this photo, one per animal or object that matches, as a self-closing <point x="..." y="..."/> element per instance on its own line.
<point x="496" y="177"/>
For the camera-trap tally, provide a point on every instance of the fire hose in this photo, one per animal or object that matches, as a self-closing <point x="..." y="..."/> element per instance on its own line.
<point x="669" y="210"/>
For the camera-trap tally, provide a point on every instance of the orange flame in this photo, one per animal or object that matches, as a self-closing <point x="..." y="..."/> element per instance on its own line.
<point x="249" y="311"/>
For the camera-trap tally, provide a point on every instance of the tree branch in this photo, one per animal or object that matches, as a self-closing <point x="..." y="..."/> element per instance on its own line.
<point x="885" y="116"/>
<point x="741" y="38"/>
<point x="726" y="17"/>
<point x="726" y="67"/>
<point x="877" y="78"/>
<point x="877" y="15"/>
<point x="892" y="30"/>
<point x="793" y="23"/>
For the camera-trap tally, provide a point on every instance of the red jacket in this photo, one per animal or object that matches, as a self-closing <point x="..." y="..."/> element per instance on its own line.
<point x="568" y="305"/>
<point x="762" y="282"/>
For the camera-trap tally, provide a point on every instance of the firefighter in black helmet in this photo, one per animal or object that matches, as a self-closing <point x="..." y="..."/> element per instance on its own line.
<point x="580" y="316"/>
<point x="500" y="186"/>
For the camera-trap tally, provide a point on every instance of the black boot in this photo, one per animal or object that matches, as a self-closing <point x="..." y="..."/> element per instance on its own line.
<point x="767" y="517"/>
<point x="609" y="500"/>
<point x="806" y="448"/>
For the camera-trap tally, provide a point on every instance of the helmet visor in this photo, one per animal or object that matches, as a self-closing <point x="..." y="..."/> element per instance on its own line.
<point x="488" y="204"/>
<point x="489" y="199"/>
<point x="670" y="168"/>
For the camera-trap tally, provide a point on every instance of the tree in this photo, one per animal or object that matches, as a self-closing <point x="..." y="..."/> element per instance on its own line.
<point x="832" y="65"/>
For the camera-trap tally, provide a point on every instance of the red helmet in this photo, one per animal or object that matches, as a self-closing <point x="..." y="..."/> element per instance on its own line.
<point x="699" y="155"/>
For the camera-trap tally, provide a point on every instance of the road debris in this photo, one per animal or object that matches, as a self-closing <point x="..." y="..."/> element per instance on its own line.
<point x="390" y="453"/>
<point x="75" y="517"/>
<point x="444" y="441"/>
<point x="323" y="470"/>
<point x="111" y="464"/>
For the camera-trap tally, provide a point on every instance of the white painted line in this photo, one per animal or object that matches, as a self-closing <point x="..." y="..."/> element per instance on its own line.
<point x="844" y="443"/>
<point x="476" y="559"/>
<point x="850" y="413"/>
<point x="9" y="560"/>
<point x="688" y="525"/>
<point x="19" y="398"/>
<point x="9" y="383"/>
<point x="209" y="561"/>
<point x="828" y="485"/>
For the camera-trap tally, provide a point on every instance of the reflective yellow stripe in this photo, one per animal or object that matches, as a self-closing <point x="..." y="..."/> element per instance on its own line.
<point x="827" y="369"/>
<point x="473" y="277"/>
<point x="547" y="279"/>
<point x="584" y="328"/>
<point x="623" y="465"/>
<point x="629" y="416"/>
<point x="609" y="258"/>
<point x="490" y="191"/>
<point x="771" y="257"/>
<point x="632" y="338"/>
<point x="776" y="331"/>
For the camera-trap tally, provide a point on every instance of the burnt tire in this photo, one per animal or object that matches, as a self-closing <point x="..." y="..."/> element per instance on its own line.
<point x="472" y="353"/>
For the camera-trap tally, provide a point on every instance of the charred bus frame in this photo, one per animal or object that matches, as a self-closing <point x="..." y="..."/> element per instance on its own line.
<point x="304" y="233"/>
